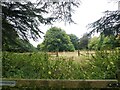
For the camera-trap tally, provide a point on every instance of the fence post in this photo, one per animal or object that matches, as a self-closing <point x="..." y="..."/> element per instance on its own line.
<point x="78" y="52"/>
<point x="57" y="54"/>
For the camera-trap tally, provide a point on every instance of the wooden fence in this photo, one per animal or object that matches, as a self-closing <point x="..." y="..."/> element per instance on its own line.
<point x="60" y="83"/>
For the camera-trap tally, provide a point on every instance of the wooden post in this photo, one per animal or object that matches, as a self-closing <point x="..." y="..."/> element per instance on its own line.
<point x="78" y="52"/>
<point x="57" y="54"/>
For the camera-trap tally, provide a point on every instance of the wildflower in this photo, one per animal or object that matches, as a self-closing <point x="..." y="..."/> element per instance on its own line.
<point x="49" y="72"/>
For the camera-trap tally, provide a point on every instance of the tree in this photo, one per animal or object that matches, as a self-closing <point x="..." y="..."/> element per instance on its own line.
<point x="41" y="47"/>
<point x="110" y="42"/>
<point x="22" y="19"/>
<point x="20" y="46"/>
<point x="93" y="43"/>
<point x="74" y="40"/>
<point x="56" y="39"/>
<point x="106" y="43"/>
<point x="108" y="25"/>
<point x="83" y="42"/>
<point x="25" y="46"/>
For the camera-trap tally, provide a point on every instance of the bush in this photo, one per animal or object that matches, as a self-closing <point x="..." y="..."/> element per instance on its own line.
<point x="105" y="63"/>
<point x="19" y="65"/>
<point x="39" y="66"/>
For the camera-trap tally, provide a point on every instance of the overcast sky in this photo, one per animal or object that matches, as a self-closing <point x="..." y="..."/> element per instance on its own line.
<point x="88" y="12"/>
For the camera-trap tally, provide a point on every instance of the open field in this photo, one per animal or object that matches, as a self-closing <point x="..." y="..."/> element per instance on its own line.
<point x="84" y="56"/>
<point x="73" y="54"/>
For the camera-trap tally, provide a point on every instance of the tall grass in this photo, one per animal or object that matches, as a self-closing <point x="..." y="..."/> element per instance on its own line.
<point x="38" y="66"/>
<point x="102" y="65"/>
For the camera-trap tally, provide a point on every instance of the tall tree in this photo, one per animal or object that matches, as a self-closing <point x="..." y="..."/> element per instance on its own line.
<point x="22" y="19"/>
<point x="83" y="42"/>
<point x="56" y="39"/>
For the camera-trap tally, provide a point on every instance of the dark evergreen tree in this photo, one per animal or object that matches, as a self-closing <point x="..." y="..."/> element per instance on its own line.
<point x="22" y="19"/>
<point x="108" y="25"/>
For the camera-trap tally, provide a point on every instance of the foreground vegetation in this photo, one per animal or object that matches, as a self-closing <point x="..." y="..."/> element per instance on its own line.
<point x="40" y="65"/>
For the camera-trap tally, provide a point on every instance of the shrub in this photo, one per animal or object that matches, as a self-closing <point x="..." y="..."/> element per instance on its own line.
<point x="103" y="64"/>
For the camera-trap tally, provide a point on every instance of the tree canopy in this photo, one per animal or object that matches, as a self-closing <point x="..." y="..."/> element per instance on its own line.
<point x="93" y="43"/>
<point x="107" y="42"/>
<point x="22" y="19"/>
<point x="56" y="39"/>
<point x="74" y="40"/>
<point x="83" y="42"/>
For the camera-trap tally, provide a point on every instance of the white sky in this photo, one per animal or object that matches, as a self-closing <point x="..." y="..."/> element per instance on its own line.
<point x="88" y="12"/>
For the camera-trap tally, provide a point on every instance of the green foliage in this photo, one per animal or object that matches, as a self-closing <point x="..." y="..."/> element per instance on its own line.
<point x="93" y="43"/>
<point x="19" y="46"/>
<point x="109" y="43"/>
<point x="108" y="27"/>
<point x="42" y="66"/>
<point x="41" y="47"/>
<point x="83" y="43"/>
<point x="56" y="39"/>
<point x="37" y="66"/>
<point x="24" y="65"/>
<point x="102" y="65"/>
<point x="105" y="63"/>
<point x="74" y="40"/>
<point x="102" y="42"/>
<point x="22" y="19"/>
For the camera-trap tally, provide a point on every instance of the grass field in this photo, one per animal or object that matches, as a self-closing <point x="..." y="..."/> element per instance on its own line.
<point x="84" y="56"/>
<point x="73" y="54"/>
